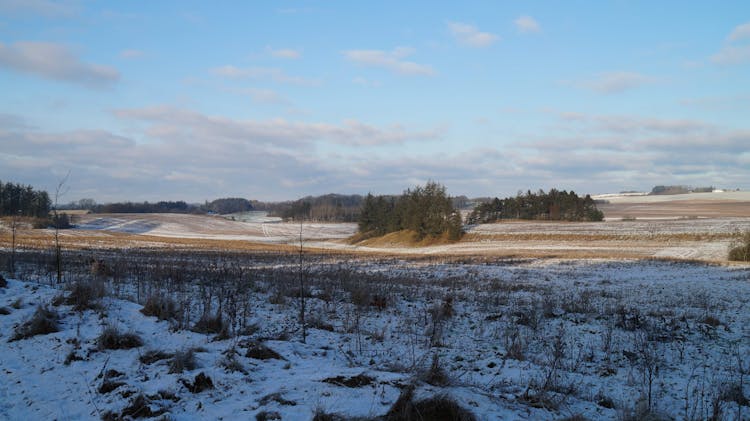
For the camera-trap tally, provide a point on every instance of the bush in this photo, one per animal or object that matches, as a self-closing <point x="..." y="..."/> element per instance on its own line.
<point x="111" y="338"/>
<point x="163" y="308"/>
<point x="43" y="321"/>
<point x="740" y="250"/>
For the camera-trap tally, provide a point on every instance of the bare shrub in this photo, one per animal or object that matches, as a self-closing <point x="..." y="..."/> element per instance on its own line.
<point x="86" y="294"/>
<point x="435" y="374"/>
<point x="161" y="307"/>
<point x="42" y="322"/>
<point x="182" y="361"/>
<point x="112" y="338"/>
<point x="230" y="362"/>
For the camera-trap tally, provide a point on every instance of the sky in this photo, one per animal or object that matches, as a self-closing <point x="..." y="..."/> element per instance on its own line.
<point x="183" y="100"/>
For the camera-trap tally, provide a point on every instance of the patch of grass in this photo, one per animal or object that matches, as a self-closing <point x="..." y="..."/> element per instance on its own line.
<point x="42" y="322"/>
<point x="112" y="338"/>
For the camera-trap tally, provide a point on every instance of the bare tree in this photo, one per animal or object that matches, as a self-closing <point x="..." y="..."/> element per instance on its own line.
<point x="59" y="192"/>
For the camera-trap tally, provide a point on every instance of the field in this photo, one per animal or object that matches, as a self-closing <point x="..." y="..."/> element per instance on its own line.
<point x="630" y="319"/>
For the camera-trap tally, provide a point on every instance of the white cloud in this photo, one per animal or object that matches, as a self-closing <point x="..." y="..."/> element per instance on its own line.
<point x="471" y="36"/>
<point x="732" y="54"/>
<point x="736" y="49"/>
<point x="393" y="61"/>
<point x="527" y="24"/>
<point x="54" y="61"/>
<point x="287" y="53"/>
<point x="44" y="8"/>
<point x="615" y="82"/>
<point x="740" y="32"/>
<point x="272" y="73"/>
<point x="131" y="54"/>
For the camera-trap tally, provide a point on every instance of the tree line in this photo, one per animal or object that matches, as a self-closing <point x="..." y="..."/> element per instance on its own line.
<point x="22" y="200"/>
<point x="555" y="206"/>
<point x="427" y="211"/>
<point x="325" y="208"/>
<point x="146" y="207"/>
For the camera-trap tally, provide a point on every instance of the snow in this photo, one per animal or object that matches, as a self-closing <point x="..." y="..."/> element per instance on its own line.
<point x="583" y="302"/>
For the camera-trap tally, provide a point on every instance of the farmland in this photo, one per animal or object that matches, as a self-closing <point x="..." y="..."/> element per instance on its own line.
<point x="520" y="320"/>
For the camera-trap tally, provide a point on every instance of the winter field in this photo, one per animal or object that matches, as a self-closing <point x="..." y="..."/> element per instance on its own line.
<point x="192" y="317"/>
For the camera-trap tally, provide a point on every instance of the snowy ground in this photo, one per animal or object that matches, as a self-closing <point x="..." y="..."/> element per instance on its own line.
<point x="683" y="238"/>
<point x="517" y="339"/>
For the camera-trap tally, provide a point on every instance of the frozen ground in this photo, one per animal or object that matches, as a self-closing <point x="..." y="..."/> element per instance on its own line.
<point x="515" y="339"/>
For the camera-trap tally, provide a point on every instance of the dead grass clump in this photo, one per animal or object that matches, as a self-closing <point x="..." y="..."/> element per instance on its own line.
<point x="111" y="338"/>
<point x="740" y="251"/>
<point x="259" y="351"/>
<point x="161" y="307"/>
<point x="436" y="408"/>
<point x="18" y="304"/>
<point x="711" y="321"/>
<point x="139" y="407"/>
<point x="209" y="324"/>
<point x="42" y="322"/>
<point x="183" y="361"/>
<point x="267" y="416"/>
<point x="276" y="397"/>
<point x="435" y="374"/>
<point x="86" y="295"/>
<point x="152" y="356"/>
<point x="200" y="383"/>
<point x="359" y="380"/>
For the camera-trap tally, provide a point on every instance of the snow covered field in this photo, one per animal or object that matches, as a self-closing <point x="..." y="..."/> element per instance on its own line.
<point x="508" y="339"/>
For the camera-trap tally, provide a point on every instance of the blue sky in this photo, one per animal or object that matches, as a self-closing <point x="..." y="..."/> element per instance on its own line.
<point x="276" y="100"/>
